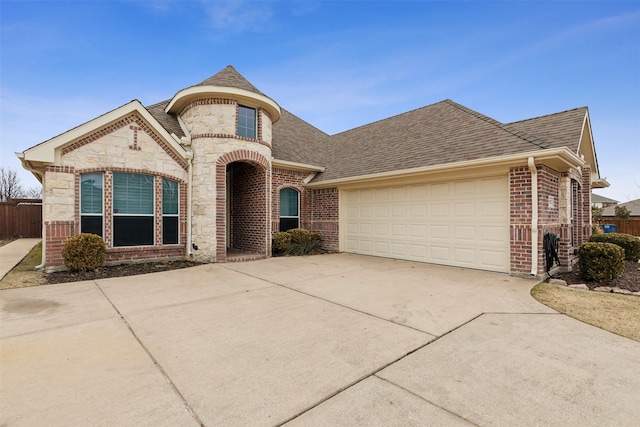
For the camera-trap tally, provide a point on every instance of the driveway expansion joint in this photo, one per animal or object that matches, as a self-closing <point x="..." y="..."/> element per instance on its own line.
<point x="191" y="411"/>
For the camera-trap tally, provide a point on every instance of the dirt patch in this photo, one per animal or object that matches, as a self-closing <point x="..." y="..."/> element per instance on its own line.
<point x="629" y="280"/>
<point x="118" y="271"/>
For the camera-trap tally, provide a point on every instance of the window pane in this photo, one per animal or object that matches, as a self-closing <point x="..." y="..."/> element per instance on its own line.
<point x="246" y="122"/>
<point x="91" y="224"/>
<point x="288" y="223"/>
<point x="170" y="230"/>
<point x="132" y="193"/>
<point x="132" y="230"/>
<point x="169" y="197"/>
<point x="91" y="193"/>
<point x="288" y="202"/>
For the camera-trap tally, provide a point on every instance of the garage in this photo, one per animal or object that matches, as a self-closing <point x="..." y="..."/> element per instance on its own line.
<point x="462" y="223"/>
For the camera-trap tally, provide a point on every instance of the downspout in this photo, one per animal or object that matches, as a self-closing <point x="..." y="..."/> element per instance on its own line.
<point x="27" y="166"/>
<point x="189" y="210"/>
<point x="534" y="216"/>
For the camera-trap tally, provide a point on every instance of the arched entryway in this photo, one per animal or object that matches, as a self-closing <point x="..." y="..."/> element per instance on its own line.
<point x="243" y="210"/>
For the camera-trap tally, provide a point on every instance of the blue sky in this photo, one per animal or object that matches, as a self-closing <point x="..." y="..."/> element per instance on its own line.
<point x="336" y="64"/>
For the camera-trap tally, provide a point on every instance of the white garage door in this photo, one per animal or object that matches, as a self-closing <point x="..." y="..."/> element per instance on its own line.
<point x="462" y="223"/>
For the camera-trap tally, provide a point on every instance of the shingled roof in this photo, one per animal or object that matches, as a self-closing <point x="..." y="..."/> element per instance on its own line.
<point x="168" y="121"/>
<point x="558" y="130"/>
<point x="295" y="140"/>
<point x="230" y="77"/>
<point x="441" y="133"/>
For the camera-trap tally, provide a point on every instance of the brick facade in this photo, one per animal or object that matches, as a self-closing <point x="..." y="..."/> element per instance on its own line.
<point x="564" y="206"/>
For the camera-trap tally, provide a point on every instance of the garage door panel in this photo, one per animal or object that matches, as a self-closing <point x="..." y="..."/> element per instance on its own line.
<point x="439" y="231"/>
<point x="493" y="209"/>
<point x="465" y="232"/>
<point x="462" y="223"/>
<point x="399" y="230"/>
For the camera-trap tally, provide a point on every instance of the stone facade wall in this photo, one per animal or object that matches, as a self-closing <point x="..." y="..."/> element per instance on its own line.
<point x="127" y="145"/>
<point x="212" y="124"/>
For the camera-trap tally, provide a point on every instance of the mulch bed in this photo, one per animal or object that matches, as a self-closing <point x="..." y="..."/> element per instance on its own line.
<point x="118" y="271"/>
<point x="629" y="280"/>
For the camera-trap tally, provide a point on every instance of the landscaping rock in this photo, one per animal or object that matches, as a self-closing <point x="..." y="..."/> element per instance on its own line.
<point x="581" y="287"/>
<point x="603" y="289"/>
<point x="559" y="282"/>
<point x="621" y="291"/>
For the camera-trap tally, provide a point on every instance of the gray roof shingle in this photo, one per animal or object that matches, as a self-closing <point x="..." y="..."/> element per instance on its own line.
<point x="632" y="205"/>
<point x="440" y="133"/>
<point x="558" y="130"/>
<point x="230" y="77"/>
<point x="297" y="141"/>
<point x="168" y="121"/>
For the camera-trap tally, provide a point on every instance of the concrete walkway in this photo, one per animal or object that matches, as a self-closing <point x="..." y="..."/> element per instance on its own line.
<point x="12" y="254"/>
<point x="325" y="340"/>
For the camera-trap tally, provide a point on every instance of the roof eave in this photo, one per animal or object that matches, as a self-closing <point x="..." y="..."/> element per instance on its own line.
<point x="294" y="166"/>
<point x="190" y="94"/>
<point x="560" y="159"/>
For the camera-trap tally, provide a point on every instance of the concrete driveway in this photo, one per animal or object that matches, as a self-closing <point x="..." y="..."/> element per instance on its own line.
<point x="324" y="340"/>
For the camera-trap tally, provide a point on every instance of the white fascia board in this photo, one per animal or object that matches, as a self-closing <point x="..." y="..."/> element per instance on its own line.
<point x="252" y="99"/>
<point x="45" y="152"/>
<point x="284" y="164"/>
<point x="561" y="158"/>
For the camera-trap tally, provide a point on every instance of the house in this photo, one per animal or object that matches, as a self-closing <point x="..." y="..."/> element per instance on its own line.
<point x="220" y="166"/>
<point x="598" y="201"/>
<point x="633" y="206"/>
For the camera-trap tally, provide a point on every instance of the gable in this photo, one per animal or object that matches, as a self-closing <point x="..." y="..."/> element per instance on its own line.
<point x="52" y="151"/>
<point x="130" y="143"/>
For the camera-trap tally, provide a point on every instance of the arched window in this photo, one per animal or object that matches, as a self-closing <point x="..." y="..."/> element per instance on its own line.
<point x="289" y="209"/>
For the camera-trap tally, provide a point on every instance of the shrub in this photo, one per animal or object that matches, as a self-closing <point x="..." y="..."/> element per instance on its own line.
<point x="595" y="229"/>
<point x="281" y="241"/>
<point x="84" y="252"/>
<point x="601" y="262"/>
<point x="310" y="243"/>
<point x="297" y="241"/>
<point x="629" y="243"/>
<point x="299" y="235"/>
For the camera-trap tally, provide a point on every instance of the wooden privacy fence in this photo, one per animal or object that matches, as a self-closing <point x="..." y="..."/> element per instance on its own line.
<point x="21" y="218"/>
<point x="627" y="226"/>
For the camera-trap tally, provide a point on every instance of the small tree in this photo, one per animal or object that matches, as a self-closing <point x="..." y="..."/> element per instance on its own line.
<point x="622" y="212"/>
<point x="596" y="213"/>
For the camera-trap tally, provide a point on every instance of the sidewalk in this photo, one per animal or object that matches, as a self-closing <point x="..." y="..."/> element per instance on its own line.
<point x="12" y="254"/>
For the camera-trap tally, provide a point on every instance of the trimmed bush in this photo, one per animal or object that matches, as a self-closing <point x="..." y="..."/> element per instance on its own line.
<point x="299" y="235"/>
<point x="297" y="241"/>
<point x="601" y="262"/>
<point x="629" y="243"/>
<point x="281" y="241"/>
<point x="84" y="252"/>
<point x="310" y="243"/>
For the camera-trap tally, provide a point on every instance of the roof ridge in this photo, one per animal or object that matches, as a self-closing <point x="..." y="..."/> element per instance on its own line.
<point x="550" y="114"/>
<point x="505" y="127"/>
<point x="390" y="117"/>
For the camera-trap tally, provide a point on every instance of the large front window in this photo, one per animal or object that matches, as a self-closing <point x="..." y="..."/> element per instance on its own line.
<point x="246" y="122"/>
<point x="289" y="209"/>
<point x="133" y="209"/>
<point x="91" y="203"/>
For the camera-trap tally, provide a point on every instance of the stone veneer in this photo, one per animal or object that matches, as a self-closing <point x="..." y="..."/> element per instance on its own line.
<point x="212" y="124"/>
